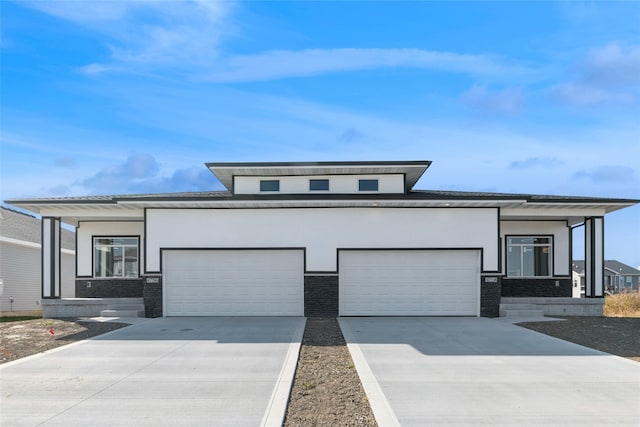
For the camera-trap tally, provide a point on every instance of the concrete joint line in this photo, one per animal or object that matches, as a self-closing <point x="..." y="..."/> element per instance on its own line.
<point x="277" y="407"/>
<point x="385" y="417"/>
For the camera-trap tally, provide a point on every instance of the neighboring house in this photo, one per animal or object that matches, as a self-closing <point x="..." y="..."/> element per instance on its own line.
<point x="327" y="238"/>
<point x="577" y="281"/>
<point x="21" y="262"/>
<point x="618" y="277"/>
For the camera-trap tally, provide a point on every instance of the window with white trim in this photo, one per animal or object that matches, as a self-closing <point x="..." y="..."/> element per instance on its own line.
<point x="529" y="256"/>
<point x="115" y="257"/>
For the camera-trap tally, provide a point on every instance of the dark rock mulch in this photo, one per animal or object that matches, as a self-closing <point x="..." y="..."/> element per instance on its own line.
<point x="614" y="335"/>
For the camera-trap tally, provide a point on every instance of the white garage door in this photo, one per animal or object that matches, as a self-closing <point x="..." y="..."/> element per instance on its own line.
<point x="409" y="283"/>
<point x="234" y="282"/>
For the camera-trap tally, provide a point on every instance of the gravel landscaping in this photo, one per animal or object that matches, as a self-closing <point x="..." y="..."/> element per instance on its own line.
<point x="327" y="390"/>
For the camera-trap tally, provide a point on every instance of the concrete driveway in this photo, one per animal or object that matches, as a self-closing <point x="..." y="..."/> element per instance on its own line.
<point x="478" y="371"/>
<point x="167" y="371"/>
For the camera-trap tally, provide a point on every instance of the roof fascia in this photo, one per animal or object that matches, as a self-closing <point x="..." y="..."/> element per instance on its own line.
<point x="249" y="165"/>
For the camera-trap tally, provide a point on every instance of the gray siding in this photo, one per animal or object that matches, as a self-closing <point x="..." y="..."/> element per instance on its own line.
<point x="20" y="279"/>
<point x="27" y="228"/>
<point x="20" y="268"/>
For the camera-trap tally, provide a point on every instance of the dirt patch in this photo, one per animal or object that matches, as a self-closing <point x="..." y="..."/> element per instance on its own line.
<point x="614" y="335"/>
<point x="27" y="337"/>
<point x="327" y="390"/>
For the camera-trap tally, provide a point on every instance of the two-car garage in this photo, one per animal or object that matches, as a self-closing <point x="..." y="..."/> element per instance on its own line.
<point x="371" y="282"/>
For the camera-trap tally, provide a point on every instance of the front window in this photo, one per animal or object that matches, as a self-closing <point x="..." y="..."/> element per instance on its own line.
<point x="529" y="256"/>
<point x="115" y="256"/>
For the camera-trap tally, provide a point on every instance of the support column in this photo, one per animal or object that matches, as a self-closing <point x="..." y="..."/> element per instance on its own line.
<point x="51" y="259"/>
<point x="594" y="257"/>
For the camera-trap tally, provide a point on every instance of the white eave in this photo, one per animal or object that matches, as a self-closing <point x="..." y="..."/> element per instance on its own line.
<point x="320" y="203"/>
<point x="134" y="210"/>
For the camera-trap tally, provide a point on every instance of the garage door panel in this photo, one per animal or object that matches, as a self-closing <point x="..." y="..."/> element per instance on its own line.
<point x="409" y="282"/>
<point x="234" y="282"/>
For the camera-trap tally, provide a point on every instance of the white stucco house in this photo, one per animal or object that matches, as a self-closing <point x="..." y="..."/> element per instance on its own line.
<point x="21" y="263"/>
<point x="325" y="238"/>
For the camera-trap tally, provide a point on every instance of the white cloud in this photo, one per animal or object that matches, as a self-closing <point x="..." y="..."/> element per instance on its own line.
<point x="97" y="69"/>
<point x="141" y="173"/>
<point x="86" y="11"/>
<point x="65" y="162"/>
<point x="279" y="64"/>
<point x="183" y="36"/>
<point x="537" y="162"/>
<point x="608" y="173"/>
<point x="506" y="101"/>
<point x="187" y="36"/>
<point x="613" y="65"/>
<point x="585" y="95"/>
<point x="608" y="75"/>
<point x="149" y="33"/>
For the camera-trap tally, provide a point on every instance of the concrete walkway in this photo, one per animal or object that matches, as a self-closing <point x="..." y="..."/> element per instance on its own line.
<point x="166" y="371"/>
<point x="478" y="371"/>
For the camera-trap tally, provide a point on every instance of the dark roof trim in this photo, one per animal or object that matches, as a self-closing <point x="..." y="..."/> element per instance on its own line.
<point x="412" y="195"/>
<point x="16" y="211"/>
<point x="426" y="163"/>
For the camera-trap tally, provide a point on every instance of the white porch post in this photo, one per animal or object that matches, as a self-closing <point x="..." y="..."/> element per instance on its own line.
<point x="50" y="257"/>
<point x="594" y="257"/>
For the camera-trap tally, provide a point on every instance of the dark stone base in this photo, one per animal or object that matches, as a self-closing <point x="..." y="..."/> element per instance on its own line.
<point x="490" y="293"/>
<point x="109" y="288"/>
<point x="536" y="287"/>
<point x="321" y="296"/>
<point x="152" y="293"/>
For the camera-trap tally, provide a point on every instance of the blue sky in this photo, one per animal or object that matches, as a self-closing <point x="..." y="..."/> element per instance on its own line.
<point x="117" y="97"/>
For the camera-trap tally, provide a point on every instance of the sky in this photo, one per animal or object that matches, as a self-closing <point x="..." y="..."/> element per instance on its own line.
<point x="120" y="97"/>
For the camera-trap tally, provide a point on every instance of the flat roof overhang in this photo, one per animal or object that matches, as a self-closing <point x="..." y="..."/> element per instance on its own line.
<point x="412" y="170"/>
<point x="72" y="212"/>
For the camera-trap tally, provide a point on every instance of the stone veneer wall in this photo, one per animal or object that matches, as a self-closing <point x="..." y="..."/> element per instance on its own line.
<point x="525" y="287"/>
<point x="321" y="296"/>
<point x="108" y="288"/>
<point x="149" y="288"/>
<point x="152" y="294"/>
<point x="490" y="294"/>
